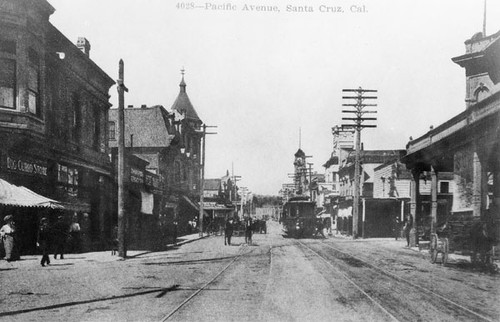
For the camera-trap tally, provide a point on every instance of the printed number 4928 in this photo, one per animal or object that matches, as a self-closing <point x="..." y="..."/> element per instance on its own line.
<point x="185" y="5"/>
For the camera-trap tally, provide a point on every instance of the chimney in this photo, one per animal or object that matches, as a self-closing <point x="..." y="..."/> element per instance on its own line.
<point x="84" y="45"/>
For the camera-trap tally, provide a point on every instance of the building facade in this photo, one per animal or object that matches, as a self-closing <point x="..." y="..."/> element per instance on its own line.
<point x="170" y="142"/>
<point x="467" y="145"/>
<point x="53" y="119"/>
<point x="369" y="160"/>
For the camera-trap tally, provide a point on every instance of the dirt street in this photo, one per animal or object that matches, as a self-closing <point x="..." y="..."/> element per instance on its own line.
<point x="275" y="279"/>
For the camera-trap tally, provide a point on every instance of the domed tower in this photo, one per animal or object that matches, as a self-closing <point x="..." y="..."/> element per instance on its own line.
<point x="300" y="173"/>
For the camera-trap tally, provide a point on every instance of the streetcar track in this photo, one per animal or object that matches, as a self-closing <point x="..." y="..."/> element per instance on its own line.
<point x="397" y="278"/>
<point x="392" y="317"/>
<point x="199" y="290"/>
<point x="394" y="276"/>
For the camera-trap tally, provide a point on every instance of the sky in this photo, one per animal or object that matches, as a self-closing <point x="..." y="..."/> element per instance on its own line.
<point x="262" y="77"/>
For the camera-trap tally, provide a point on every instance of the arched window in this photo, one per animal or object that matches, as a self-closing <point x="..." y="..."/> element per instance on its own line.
<point x="481" y="92"/>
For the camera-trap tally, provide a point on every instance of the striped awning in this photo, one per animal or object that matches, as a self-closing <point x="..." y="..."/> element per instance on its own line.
<point x="13" y="195"/>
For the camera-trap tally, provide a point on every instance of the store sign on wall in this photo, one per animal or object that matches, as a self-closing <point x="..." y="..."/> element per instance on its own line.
<point x="136" y="176"/>
<point x="32" y="167"/>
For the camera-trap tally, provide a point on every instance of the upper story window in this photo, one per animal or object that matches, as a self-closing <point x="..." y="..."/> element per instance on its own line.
<point x="112" y="130"/>
<point x="444" y="187"/>
<point x="34" y="82"/>
<point x="97" y="128"/>
<point x="76" y="117"/>
<point x="7" y="83"/>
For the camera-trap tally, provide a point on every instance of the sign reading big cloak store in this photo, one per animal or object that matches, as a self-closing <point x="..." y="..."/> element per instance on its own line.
<point x="27" y="166"/>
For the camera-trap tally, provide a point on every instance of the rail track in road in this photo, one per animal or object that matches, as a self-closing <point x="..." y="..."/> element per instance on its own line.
<point x="200" y="289"/>
<point x="362" y="274"/>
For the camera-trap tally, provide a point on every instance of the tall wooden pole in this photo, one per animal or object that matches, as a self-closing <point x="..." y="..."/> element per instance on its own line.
<point x="202" y="175"/>
<point x="202" y="179"/>
<point x="357" y="124"/>
<point x="122" y="218"/>
<point x="355" y="205"/>
<point x="310" y="181"/>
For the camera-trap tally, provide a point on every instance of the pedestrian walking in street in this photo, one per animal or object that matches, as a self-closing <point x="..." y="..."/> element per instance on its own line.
<point x="319" y="228"/>
<point x="228" y="231"/>
<point x="407" y="229"/>
<point x="114" y="241"/>
<point x="85" y="232"/>
<point x="43" y="240"/>
<point x="248" y="230"/>
<point x="7" y="233"/>
<point x="60" y="237"/>
<point x="396" y="227"/>
<point x="174" y="232"/>
<point x="74" y="235"/>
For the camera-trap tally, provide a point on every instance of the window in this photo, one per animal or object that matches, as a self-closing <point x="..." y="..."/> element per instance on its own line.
<point x="112" y="131"/>
<point x="68" y="176"/>
<point x="33" y="83"/>
<point x="76" y="118"/>
<point x="97" y="128"/>
<point x="444" y="187"/>
<point x="7" y="83"/>
<point x="481" y="92"/>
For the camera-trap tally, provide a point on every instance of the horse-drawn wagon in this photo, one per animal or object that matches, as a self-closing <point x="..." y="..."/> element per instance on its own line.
<point x="476" y="238"/>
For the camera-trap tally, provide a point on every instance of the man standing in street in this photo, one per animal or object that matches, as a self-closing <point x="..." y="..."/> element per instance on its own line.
<point x="43" y="240"/>
<point x="228" y="231"/>
<point x="248" y="230"/>
<point x="60" y="237"/>
<point x="319" y="228"/>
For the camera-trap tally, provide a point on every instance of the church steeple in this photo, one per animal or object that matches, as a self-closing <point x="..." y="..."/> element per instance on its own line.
<point x="182" y="104"/>
<point x="182" y="84"/>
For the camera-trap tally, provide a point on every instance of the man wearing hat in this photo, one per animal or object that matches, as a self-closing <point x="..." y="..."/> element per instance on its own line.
<point x="43" y="240"/>
<point x="61" y="231"/>
<point x="7" y="234"/>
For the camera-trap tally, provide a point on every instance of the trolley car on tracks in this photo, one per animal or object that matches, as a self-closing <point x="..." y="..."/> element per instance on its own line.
<point x="298" y="217"/>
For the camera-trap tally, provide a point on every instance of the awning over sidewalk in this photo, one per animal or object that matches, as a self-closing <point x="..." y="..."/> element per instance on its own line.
<point x="13" y="195"/>
<point x="195" y="205"/>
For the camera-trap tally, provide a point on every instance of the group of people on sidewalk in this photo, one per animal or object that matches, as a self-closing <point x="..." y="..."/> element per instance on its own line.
<point x="57" y="238"/>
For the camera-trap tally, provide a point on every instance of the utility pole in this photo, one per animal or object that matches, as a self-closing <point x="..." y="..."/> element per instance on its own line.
<point x="243" y="192"/>
<point x="310" y="180"/>
<point x="202" y="175"/>
<point x="358" y="109"/>
<point x="122" y="216"/>
<point x="235" y="179"/>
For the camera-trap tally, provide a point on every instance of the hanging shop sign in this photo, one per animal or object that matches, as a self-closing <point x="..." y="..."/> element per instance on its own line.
<point x="26" y="166"/>
<point x="136" y="176"/>
<point x="153" y="183"/>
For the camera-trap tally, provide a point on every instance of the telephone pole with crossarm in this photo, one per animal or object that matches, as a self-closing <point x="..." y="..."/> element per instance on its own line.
<point x="357" y="123"/>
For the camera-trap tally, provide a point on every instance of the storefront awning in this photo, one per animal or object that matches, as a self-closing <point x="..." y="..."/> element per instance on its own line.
<point x="195" y="205"/>
<point x="13" y="195"/>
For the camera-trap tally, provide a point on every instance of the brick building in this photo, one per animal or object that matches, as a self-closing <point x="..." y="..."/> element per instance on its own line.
<point x="53" y="120"/>
<point x="169" y="141"/>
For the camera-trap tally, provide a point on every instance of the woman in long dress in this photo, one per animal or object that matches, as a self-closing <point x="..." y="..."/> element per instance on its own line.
<point x="7" y="234"/>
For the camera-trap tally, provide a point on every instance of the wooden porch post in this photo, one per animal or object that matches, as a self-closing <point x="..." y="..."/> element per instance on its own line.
<point x="434" y="191"/>
<point x="414" y="195"/>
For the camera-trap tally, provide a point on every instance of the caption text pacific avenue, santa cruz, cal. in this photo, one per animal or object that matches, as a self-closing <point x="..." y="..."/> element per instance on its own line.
<point x="272" y="8"/>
